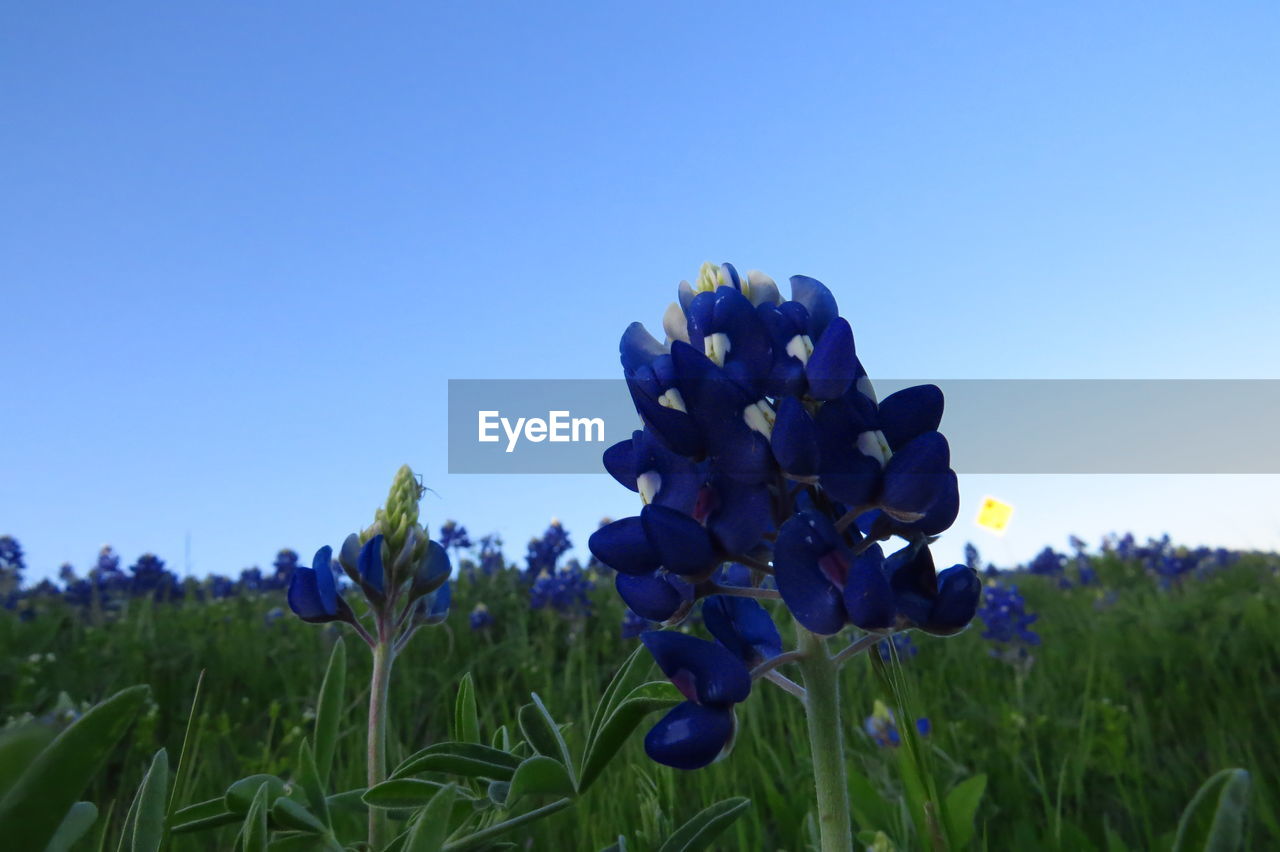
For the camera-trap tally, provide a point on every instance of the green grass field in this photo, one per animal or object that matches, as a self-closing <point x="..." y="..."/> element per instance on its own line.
<point x="1131" y="703"/>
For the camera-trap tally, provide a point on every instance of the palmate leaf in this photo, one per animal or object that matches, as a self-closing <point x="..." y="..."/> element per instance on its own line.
<point x="629" y="675"/>
<point x="254" y="834"/>
<point x="201" y="816"/>
<point x="543" y="734"/>
<point x="706" y="826"/>
<point x="614" y="730"/>
<point x="38" y="801"/>
<point x="539" y="775"/>
<point x="483" y="837"/>
<point x="469" y="760"/>
<point x="406" y="793"/>
<point x="239" y="796"/>
<point x="432" y="825"/>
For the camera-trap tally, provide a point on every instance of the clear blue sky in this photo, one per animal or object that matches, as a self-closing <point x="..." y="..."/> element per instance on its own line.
<point x="244" y="246"/>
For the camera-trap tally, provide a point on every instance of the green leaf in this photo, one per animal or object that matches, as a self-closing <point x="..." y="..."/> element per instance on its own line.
<point x="287" y="813"/>
<point x="309" y="780"/>
<point x="1214" y="820"/>
<point x="254" y="834"/>
<point x="432" y="826"/>
<point x="405" y="793"/>
<point x="961" y="807"/>
<point x="628" y="676"/>
<point x="148" y="825"/>
<point x="619" y="845"/>
<point x="614" y="730"/>
<point x="543" y="734"/>
<point x="501" y="739"/>
<point x="470" y="760"/>
<point x="197" y="817"/>
<point x="18" y="749"/>
<point x="466" y="723"/>
<point x="329" y="710"/>
<point x="482" y="837"/>
<point x="498" y="792"/>
<point x="39" y="800"/>
<point x="301" y="842"/>
<point x="239" y="796"/>
<point x="540" y="775"/>
<point x="79" y="819"/>
<point x="349" y="800"/>
<point x="706" y="826"/>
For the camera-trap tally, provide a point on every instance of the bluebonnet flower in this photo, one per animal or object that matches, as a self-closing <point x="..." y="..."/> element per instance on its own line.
<point x="1047" y="563"/>
<point x="899" y="645"/>
<point x="699" y="730"/>
<point x="313" y="595"/>
<point x="490" y="558"/>
<point x="453" y="536"/>
<point x="971" y="556"/>
<point x="150" y="578"/>
<point x="286" y="562"/>
<point x="12" y="564"/>
<point x="882" y="726"/>
<point x="481" y="617"/>
<point x="1008" y="623"/>
<point x="545" y="552"/>
<point x="763" y="444"/>
<point x="1085" y="573"/>
<point x="566" y="590"/>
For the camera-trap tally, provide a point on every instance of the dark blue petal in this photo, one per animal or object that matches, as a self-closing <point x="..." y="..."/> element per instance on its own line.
<point x="909" y="413"/>
<point x="304" y="598"/>
<point x="833" y="365"/>
<point x="682" y="544"/>
<point x="867" y="595"/>
<point x="440" y="604"/>
<point x="651" y="596"/>
<point x="674" y="427"/>
<point x="942" y="514"/>
<point x="743" y="626"/>
<point x="690" y="736"/>
<point x="742" y="454"/>
<point x="638" y="347"/>
<point x="322" y="565"/>
<point x="958" y="592"/>
<point x="795" y="438"/>
<point x="743" y="516"/>
<point x="370" y="563"/>
<point x="916" y="477"/>
<point x="804" y="542"/>
<point x="817" y="300"/>
<point x="704" y="671"/>
<point x="620" y="461"/>
<point x="914" y="582"/>
<point x="433" y="571"/>
<point x="624" y="547"/>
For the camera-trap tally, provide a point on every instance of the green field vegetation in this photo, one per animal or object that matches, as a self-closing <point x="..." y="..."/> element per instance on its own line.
<point x="1136" y="696"/>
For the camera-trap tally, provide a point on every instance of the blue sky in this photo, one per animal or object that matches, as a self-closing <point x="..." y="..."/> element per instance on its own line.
<point x="244" y="247"/>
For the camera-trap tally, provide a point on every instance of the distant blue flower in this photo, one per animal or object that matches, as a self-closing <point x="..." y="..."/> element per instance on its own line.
<point x="481" y="617"/>
<point x="567" y="591"/>
<point x="453" y="536"/>
<point x="1007" y="622"/>
<point x="696" y="732"/>
<point x="151" y="579"/>
<point x="545" y="552"/>
<point x="882" y="726"/>
<point x="1047" y="562"/>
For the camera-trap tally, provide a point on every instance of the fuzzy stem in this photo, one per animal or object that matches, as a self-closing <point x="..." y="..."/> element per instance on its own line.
<point x="383" y="654"/>
<point x="822" y="712"/>
<point x="746" y="592"/>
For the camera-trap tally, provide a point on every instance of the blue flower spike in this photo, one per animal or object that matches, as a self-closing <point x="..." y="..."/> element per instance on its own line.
<point x="764" y="447"/>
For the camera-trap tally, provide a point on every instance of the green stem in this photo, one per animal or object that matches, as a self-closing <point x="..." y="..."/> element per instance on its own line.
<point x="383" y="654"/>
<point x="822" y="711"/>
